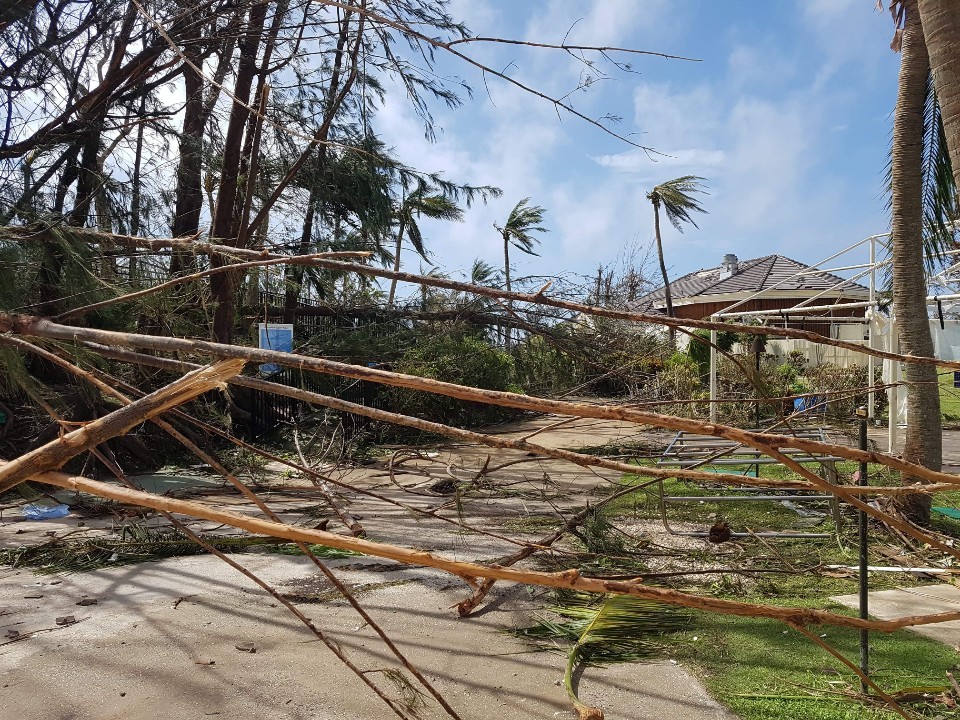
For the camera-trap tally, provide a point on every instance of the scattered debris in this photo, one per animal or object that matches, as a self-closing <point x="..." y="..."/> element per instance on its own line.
<point x="37" y="511"/>
<point x="719" y="532"/>
<point x="247" y="647"/>
<point x="66" y="620"/>
<point x="444" y="487"/>
<point x="87" y="601"/>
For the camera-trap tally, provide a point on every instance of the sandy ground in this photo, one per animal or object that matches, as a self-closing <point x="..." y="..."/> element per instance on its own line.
<point x="161" y="640"/>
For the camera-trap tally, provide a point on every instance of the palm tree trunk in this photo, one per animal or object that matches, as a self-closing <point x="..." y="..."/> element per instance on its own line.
<point x="923" y="441"/>
<point x="941" y="32"/>
<point x="396" y="260"/>
<point x="663" y="270"/>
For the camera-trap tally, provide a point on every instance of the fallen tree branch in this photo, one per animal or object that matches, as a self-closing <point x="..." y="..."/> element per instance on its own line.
<point x="498" y="442"/>
<point x="21" y="233"/>
<point x="252" y="496"/>
<point x="38" y="327"/>
<point x="55" y="453"/>
<point x="567" y="579"/>
<point x="465" y="607"/>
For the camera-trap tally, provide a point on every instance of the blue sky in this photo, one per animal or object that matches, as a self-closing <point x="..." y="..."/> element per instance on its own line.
<point x="787" y="116"/>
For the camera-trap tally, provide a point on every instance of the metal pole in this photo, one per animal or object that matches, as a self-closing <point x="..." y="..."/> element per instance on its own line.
<point x="871" y="362"/>
<point x="756" y="355"/>
<point x="864" y="580"/>
<point x="893" y="394"/>
<point x="713" y="374"/>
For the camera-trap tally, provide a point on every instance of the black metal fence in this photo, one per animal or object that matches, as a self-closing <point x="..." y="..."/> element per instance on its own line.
<point x="269" y="411"/>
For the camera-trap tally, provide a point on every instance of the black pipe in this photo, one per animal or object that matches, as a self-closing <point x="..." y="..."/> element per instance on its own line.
<point x="757" y="390"/>
<point x="864" y="581"/>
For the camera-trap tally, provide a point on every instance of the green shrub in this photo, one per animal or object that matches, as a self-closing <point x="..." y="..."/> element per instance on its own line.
<point x="679" y="380"/>
<point x="462" y="359"/>
<point x="699" y="348"/>
<point x="541" y="367"/>
<point x="843" y="386"/>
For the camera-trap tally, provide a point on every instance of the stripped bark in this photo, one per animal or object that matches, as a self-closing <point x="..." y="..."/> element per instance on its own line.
<point x="489" y="440"/>
<point x="253" y="497"/>
<point x="567" y="579"/>
<point x="769" y="444"/>
<point x="38" y="327"/>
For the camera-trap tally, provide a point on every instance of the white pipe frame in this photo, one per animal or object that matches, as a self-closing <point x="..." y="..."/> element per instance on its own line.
<point x="803" y="307"/>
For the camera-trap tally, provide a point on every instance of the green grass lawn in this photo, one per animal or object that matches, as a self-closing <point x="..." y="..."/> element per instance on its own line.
<point x="761" y="669"/>
<point x="949" y="398"/>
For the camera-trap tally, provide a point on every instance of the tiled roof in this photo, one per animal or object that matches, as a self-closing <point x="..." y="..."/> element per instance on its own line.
<point x="770" y="272"/>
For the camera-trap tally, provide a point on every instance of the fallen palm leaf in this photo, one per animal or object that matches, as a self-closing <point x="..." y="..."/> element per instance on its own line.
<point x="613" y="629"/>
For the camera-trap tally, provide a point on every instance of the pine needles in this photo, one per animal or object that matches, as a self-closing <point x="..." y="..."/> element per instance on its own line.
<point x="87" y="551"/>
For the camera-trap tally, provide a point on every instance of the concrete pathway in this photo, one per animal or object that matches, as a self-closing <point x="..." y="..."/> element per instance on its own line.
<point x="951" y="445"/>
<point x="135" y="653"/>
<point x="905" y="602"/>
<point x="144" y="649"/>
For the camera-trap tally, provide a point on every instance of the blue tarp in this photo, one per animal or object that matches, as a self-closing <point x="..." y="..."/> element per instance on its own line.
<point x="813" y="403"/>
<point x="274" y="336"/>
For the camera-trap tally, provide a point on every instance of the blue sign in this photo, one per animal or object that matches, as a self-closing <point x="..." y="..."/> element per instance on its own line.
<point x="275" y="336"/>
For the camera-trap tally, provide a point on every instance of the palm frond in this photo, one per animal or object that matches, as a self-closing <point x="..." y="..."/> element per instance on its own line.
<point x="483" y="273"/>
<point x="416" y="238"/>
<point x="612" y="629"/>
<point x="941" y="207"/>
<point x="676" y="197"/>
<point x="523" y="220"/>
<point x="437" y="207"/>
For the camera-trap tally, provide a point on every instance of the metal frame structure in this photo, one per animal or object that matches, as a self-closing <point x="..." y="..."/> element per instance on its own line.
<point x="866" y="269"/>
<point x="688" y="451"/>
<point x="947" y="280"/>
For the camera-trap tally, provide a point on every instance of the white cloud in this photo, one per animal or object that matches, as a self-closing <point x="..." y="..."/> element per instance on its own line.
<point x="638" y="161"/>
<point x="602" y="22"/>
<point x="757" y="123"/>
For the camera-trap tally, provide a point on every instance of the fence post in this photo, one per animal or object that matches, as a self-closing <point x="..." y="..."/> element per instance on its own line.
<point x="862" y="415"/>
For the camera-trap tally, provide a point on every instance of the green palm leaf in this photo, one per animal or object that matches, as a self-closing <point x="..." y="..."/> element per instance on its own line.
<point x="483" y="273"/>
<point x="435" y="206"/>
<point x="676" y="197"/>
<point x="613" y="629"/>
<point x="523" y="220"/>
